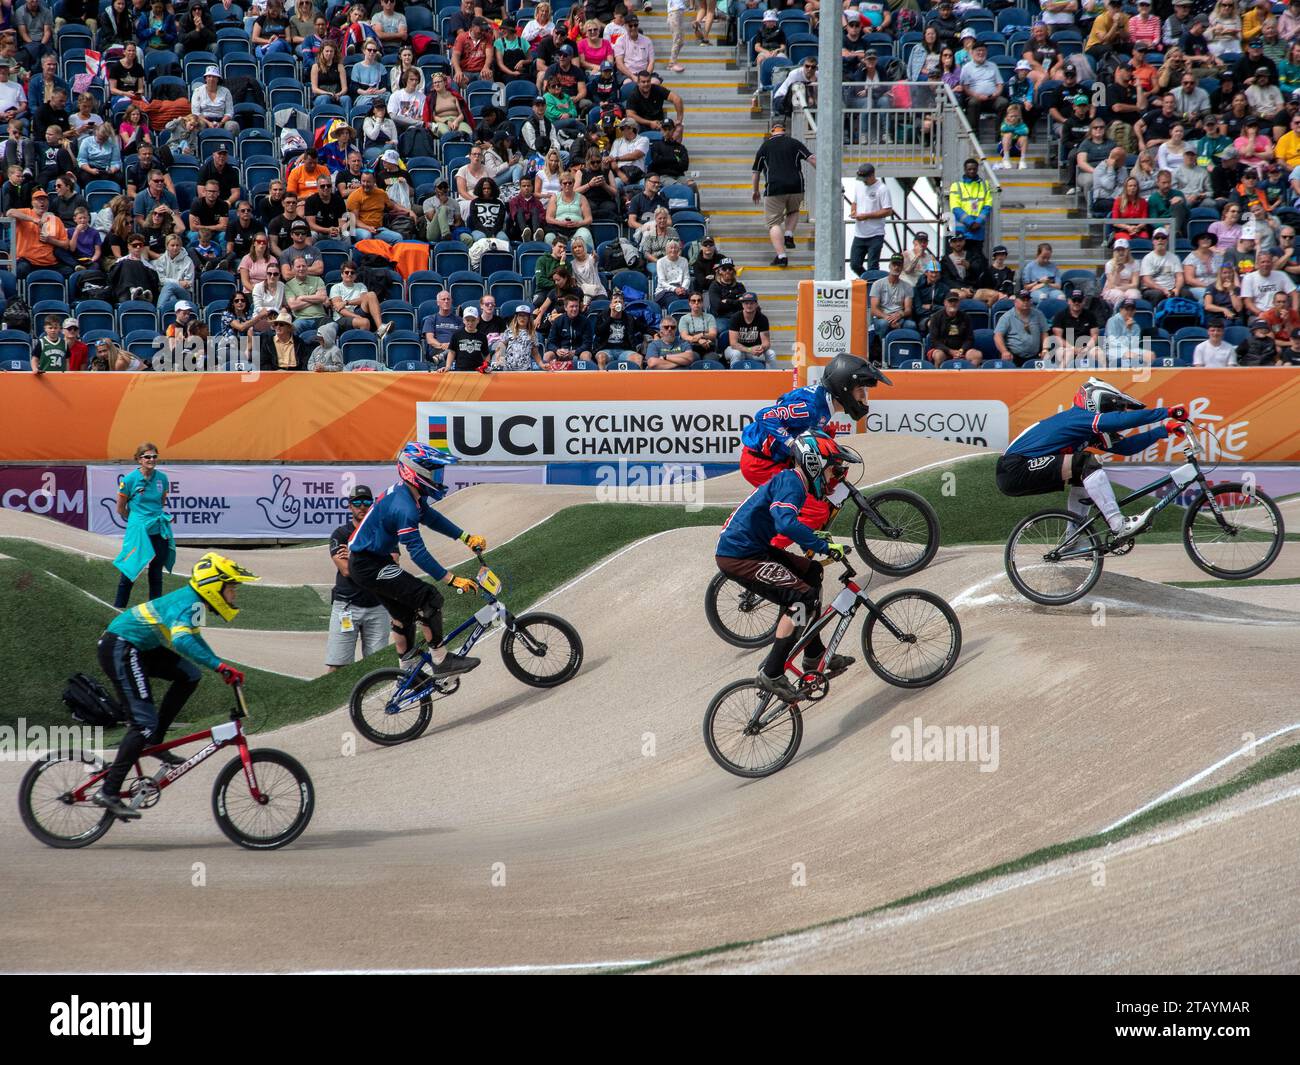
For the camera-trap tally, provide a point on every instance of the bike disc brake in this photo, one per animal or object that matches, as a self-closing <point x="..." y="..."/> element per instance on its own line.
<point x="814" y="687"/>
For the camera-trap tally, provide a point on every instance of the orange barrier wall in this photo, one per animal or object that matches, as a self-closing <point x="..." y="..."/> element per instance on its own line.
<point x="1254" y="414"/>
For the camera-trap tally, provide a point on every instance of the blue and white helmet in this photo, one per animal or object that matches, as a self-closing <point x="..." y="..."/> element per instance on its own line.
<point x="421" y="467"/>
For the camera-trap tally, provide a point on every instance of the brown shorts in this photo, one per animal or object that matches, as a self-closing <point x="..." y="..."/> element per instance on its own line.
<point x="780" y="577"/>
<point x="778" y="208"/>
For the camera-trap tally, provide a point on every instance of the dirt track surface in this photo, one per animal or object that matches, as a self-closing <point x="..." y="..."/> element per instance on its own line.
<point x="1211" y="893"/>
<point x="618" y="838"/>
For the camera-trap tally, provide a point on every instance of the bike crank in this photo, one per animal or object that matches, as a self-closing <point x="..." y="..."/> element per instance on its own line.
<point x="814" y="687"/>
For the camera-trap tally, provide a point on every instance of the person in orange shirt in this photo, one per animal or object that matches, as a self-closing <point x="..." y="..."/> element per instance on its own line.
<point x="368" y="205"/>
<point x="1253" y="19"/>
<point x="1143" y="72"/>
<point x="304" y="177"/>
<point x="39" y="237"/>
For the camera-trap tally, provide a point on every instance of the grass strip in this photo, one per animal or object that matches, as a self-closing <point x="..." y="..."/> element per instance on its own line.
<point x="1275" y="764"/>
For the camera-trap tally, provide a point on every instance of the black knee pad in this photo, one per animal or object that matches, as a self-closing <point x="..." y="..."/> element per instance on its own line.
<point x="1081" y="466"/>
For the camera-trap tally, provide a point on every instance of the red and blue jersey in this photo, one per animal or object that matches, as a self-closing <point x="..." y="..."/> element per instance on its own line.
<point x="395" y="519"/>
<point x="774" y="428"/>
<point x="1074" y="429"/>
<point x="772" y="509"/>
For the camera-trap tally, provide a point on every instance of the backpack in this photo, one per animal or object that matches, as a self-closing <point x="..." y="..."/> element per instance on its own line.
<point x="17" y="315"/>
<point x="90" y="704"/>
<point x="372" y="271"/>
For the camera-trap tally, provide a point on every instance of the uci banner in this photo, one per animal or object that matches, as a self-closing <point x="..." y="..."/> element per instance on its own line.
<point x="268" y="502"/>
<point x="684" y="431"/>
<point x="1246" y="414"/>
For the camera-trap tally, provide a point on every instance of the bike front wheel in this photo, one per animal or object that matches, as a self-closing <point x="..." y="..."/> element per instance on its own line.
<point x="279" y="815"/>
<point x="751" y="733"/>
<point x="384" y="718"/>
<point x="927" y="644"/>
<point x="740" y="617"/>
<point x="1248" y="540"/>
<point x="1038" y="576"/>
<point x="542" y="650"/>
<point x="48" y="809"/>
<point x="907" y="541"/>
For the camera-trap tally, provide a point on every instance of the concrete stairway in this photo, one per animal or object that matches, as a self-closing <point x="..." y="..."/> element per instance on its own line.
<point x="722" y="138"/>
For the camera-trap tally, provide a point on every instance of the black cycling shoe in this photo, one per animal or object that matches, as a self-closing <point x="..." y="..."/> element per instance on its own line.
<point x="835" y="665"/>
<point x="115" y="806"/>
<point x="789" y="241"/>
<point x="778" y="686"/>
<point x="168" y="758"/>
<point x="453" y="664"/>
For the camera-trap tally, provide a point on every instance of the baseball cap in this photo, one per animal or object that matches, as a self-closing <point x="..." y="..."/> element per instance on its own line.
<point x="1258" y="323"/>
<point x="221" y="146"/>
<point x="668" y="123"/>
<point x="70" y="323"/>
<point x="1228" y="153"/>
<point x="539" y="100"/>
<point x="853" y="15"/>
<point x="895" y="258"/>
<point x="1076" y="295"/>
<point x="184" y="305"/>
<point x="361" y="494"/>
<point x="1161" y="232"/>
<point x="866" y="170"/>
<point x="770" y="15"/>
<point x="469" y="312"/>
<point x="1023" y="294"/>
<point x="952" y="297"/>
<point x="966" y="31"/>
<point x="1121" y="243"/>
<point x="709" y="241"/>
<point x="632" y="20"/>
<point x="523" y="308"/>
<point x="300" y="227"/>
<point x="627" y="122"/>
<point x="607" y="64"/>
<point x="567" y="50"/>
<point x="1001" y="249"/>
<point x="924" y="238"/>
<point x="391" y="156"/>
<point x="1081" y="101"/>
<point x="40" y="194"/>
<point x="726" y="261"/>
<point x="748" y="297"/>
<point x="1024" y="65"/>
<point x="957" y="236"/>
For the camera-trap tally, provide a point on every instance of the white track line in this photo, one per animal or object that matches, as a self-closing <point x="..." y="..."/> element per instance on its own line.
<point x="1247" y="749"/>
<point x="601" y="565"/>
<point x="483" y="970"/>
<point x="928" y="466"/>
<point x="855" y="928"/>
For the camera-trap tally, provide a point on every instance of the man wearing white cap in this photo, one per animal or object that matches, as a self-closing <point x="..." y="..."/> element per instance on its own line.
<point x="770" y="41"/>
<point x="213" y="103"/>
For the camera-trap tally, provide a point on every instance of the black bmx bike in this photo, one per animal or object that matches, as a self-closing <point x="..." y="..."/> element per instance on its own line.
<point x="1232" y="530"/>
<point x="895" y="531"/>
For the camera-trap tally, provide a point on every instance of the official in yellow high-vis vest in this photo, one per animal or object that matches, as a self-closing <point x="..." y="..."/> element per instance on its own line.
<point x="971" y="202"/>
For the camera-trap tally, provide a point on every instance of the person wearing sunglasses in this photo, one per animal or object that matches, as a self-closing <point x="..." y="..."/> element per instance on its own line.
<point x="141" y="504"/>
<point x="354" y="611"/>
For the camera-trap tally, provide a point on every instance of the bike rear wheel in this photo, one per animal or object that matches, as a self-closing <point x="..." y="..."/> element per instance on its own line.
<point x="1249" y="545"/>
<point x="929" y="646"/>
<point x="1045" y="581"/>
<point x="288" y="800"/>
<point x="740" y="617"/>
<point x="45" y="803"/>
<point x="550" y="655"/>
<point x="750" y="733"/>
<point x="908" y="541"/>
<point x="382" y="719"/>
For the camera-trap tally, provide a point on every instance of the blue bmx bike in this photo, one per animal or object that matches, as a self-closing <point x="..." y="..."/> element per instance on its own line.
<point x="391" y="706"/>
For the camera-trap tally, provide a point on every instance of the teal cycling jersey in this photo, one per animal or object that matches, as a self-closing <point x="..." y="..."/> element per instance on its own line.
<point x="170" y="621"/>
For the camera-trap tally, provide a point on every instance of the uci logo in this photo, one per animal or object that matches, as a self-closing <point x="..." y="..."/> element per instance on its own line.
<point x="519" y="434"/>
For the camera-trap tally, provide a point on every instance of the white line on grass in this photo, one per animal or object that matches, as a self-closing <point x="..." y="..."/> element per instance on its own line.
<point x="483" y="970"/>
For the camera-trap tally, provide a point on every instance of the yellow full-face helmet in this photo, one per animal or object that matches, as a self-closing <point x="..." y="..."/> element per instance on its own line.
<point x="211" y="574"/>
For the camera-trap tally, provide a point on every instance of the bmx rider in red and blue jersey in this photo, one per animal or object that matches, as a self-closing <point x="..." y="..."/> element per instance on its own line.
<point x="394" y="521"/>
<point x="768" y="441"/>
<point x="1059" y="451"/>
<point x="794" y="582"/>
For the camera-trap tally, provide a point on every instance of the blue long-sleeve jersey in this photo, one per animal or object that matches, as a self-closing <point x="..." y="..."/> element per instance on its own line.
<point x="395" y="519"/>
<point x="770" y="510"/>
<point x="774" y="428"/>
<point x="1074" y="429"/>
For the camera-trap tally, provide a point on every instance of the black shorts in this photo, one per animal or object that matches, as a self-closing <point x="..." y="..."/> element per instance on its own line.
<point x="779" y="577"/>
<point x="402" y="594"/>
<point x="1023" y="475"/>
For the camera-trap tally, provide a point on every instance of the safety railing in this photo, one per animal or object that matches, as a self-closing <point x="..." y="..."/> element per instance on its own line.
<point x="1093" y="236"/>
<point x="907" y="130"/>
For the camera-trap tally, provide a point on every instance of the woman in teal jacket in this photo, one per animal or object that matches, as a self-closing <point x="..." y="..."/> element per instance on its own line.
<point x="141" y="497"/>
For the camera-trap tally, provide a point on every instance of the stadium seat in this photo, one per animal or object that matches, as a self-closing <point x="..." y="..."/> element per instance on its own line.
<point x="626" y="280"/>
<point x="94" y="314"/>
<point x="135" y="316"/>
<point x="423" y="287"/>
<point x="143" y="343"/>
<point x="956" y="364"/>
<point x="415" y="366"/>
<point x="465" y="285"/>
<point x="739" y="364"/>
<point x="401" y="347"/>
<point x="506" y="287"/>
<point x="624" y="363"/>
<point x="46" y="307"/>
<point x="984" y="342"/>
<point x="46" y="285"/>
<point x="493" y="262"/>
<point x="1184" y="343"/>
<point x="400" y="313"/>
<point x="216" y="285"/>
<point x="998" y="364"/>
<point x="359" y="344"/>
<point x="449" y="257"/>
<point x="15" y="350"/>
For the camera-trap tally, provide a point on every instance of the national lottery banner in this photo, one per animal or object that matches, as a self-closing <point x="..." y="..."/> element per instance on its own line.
<point x="268" y="502"/>
<point x="1247" y="414"/>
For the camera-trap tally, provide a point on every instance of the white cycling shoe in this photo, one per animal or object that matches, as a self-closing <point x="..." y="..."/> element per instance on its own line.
<point x="1133" y="525"/>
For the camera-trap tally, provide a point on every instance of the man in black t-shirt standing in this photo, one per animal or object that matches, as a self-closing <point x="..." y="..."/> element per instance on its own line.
<point x="353" y="609"/>
<point x="467" y="349"/>
<point x="780" y="159"/>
